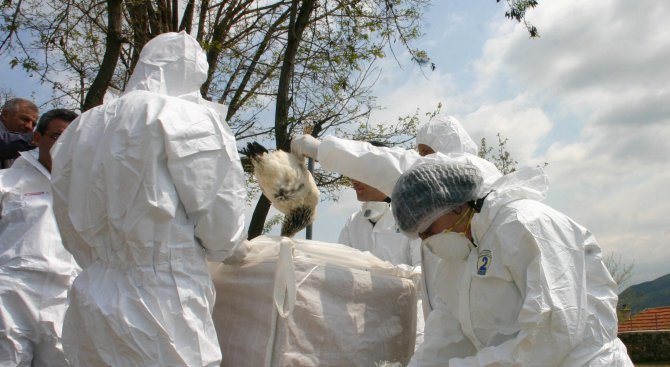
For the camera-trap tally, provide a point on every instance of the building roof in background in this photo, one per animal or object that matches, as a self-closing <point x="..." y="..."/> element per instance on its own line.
<point x="651" y="319"/>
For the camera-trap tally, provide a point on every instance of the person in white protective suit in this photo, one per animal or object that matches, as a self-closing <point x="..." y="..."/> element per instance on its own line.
<point x="146" y="188"/>
<point x="528" y="286"/>
<point x="446" y="135"/>
<point x="35" y="269"/>
<point x="372" y="228"/>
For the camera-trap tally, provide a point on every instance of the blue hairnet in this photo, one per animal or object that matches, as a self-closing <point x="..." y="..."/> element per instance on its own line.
<point x="426" y="191"/>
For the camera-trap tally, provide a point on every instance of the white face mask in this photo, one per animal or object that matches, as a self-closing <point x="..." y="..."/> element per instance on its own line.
<point x="373" y="210"/>
<point x="450" y="246"/>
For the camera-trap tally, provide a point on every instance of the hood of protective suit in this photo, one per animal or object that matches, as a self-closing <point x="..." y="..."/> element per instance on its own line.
<point x="525" y="183"/>
<point x="171" y="64"/>
<point x="444" y="134"/>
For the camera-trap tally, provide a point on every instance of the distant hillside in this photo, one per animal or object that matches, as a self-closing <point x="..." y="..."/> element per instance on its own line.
<point x="655" y="293"/>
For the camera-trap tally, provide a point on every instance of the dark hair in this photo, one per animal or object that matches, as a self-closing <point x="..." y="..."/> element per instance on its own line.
<point x="58" y="113"/>
<point x="378" y="143"/>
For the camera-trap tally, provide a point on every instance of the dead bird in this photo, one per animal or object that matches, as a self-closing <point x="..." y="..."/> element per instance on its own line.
<point x="287" y="183"/>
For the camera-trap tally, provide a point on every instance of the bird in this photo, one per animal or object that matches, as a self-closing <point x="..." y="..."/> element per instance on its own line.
<point x="287" y="183"/>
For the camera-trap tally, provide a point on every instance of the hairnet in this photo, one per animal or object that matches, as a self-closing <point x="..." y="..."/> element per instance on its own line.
<point x="426" y="191"/>
<point x="444" y="134"/>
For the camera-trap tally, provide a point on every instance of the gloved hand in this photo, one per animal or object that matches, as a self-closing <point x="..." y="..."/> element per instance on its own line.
<point x="305" y="145"/>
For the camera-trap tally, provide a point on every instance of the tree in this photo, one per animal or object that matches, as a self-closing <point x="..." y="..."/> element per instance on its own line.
<point x="5" y="95"/>
<point x="313" y="60"/>
<point x="502" y="159"/>
<point x="621" y="271"/>
<point x="314" y="57"/>
<point x="517" y="11"/>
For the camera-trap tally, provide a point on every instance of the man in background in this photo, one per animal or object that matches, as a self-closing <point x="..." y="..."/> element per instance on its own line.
<point x="17" y="121"/>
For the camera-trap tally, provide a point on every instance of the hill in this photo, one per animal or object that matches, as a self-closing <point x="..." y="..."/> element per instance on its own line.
<point x="655" y="293"/>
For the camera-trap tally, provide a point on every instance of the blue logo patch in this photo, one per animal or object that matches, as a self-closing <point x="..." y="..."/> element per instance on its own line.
<point x="484" y="262"/>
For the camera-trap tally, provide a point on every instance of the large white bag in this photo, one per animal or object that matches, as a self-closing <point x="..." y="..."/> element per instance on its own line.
<point x="306" y="303"/>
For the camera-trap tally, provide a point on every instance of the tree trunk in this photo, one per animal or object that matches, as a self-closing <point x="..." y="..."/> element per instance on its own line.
<point x="258" y="218"/>
<point x="113" y="43"/>
<point x="187" y="19"/>
<point x="299" y="18"/>
<point x="297" y="24"/>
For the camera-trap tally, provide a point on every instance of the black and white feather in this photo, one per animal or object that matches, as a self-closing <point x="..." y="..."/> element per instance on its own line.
<point x="287" y="183"/>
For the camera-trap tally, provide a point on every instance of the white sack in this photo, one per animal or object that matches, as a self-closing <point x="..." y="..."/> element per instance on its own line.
<point x="340" y="306"/>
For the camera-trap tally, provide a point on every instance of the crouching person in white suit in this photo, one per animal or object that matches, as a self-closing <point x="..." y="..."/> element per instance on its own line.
<point x="445" y="135"/>
<point x="146" y="188"/>
<point x="527" y="284"/>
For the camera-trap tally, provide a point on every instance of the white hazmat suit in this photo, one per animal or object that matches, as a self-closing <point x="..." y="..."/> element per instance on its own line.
<point x="533" y="291"/>
<point x="380" y="167"/>
<point x="446" y="135"/>
<point x="146" y="187"/>
<point x="35" y="269"/>
<point x="381" y="239"/>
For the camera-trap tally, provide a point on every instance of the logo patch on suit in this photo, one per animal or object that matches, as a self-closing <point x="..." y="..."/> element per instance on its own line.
<point x="484" y="262"/>
<point x="34" y="193"/>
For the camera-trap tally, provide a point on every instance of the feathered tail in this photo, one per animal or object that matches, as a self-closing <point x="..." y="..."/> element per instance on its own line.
<point x="253" y="150"/>
<point x="296" y="220"/>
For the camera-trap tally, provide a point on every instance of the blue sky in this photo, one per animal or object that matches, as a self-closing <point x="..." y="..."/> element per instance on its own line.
<point x="589" y="97"/>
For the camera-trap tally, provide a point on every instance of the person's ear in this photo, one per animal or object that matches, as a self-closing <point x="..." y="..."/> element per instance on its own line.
<point x="36" y="138"/>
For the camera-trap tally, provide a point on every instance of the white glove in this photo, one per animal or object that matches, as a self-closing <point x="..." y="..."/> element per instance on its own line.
<point x="305" y="145"/>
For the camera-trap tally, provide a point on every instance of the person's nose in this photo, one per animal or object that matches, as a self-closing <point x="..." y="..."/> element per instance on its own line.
<point x="28" y="124"/>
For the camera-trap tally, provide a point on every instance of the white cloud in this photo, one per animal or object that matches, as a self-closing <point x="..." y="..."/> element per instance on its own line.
<point x="402" y="90"/>
<point x="516" y="120"/>
<point x="605" y="64"/>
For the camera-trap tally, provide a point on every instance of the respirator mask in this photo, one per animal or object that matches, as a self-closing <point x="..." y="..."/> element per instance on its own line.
<point x="374" y="210"/>
<point x="449" y="245"/>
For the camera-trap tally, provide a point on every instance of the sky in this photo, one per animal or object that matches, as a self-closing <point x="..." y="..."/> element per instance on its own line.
<point x="590" y="97"/>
